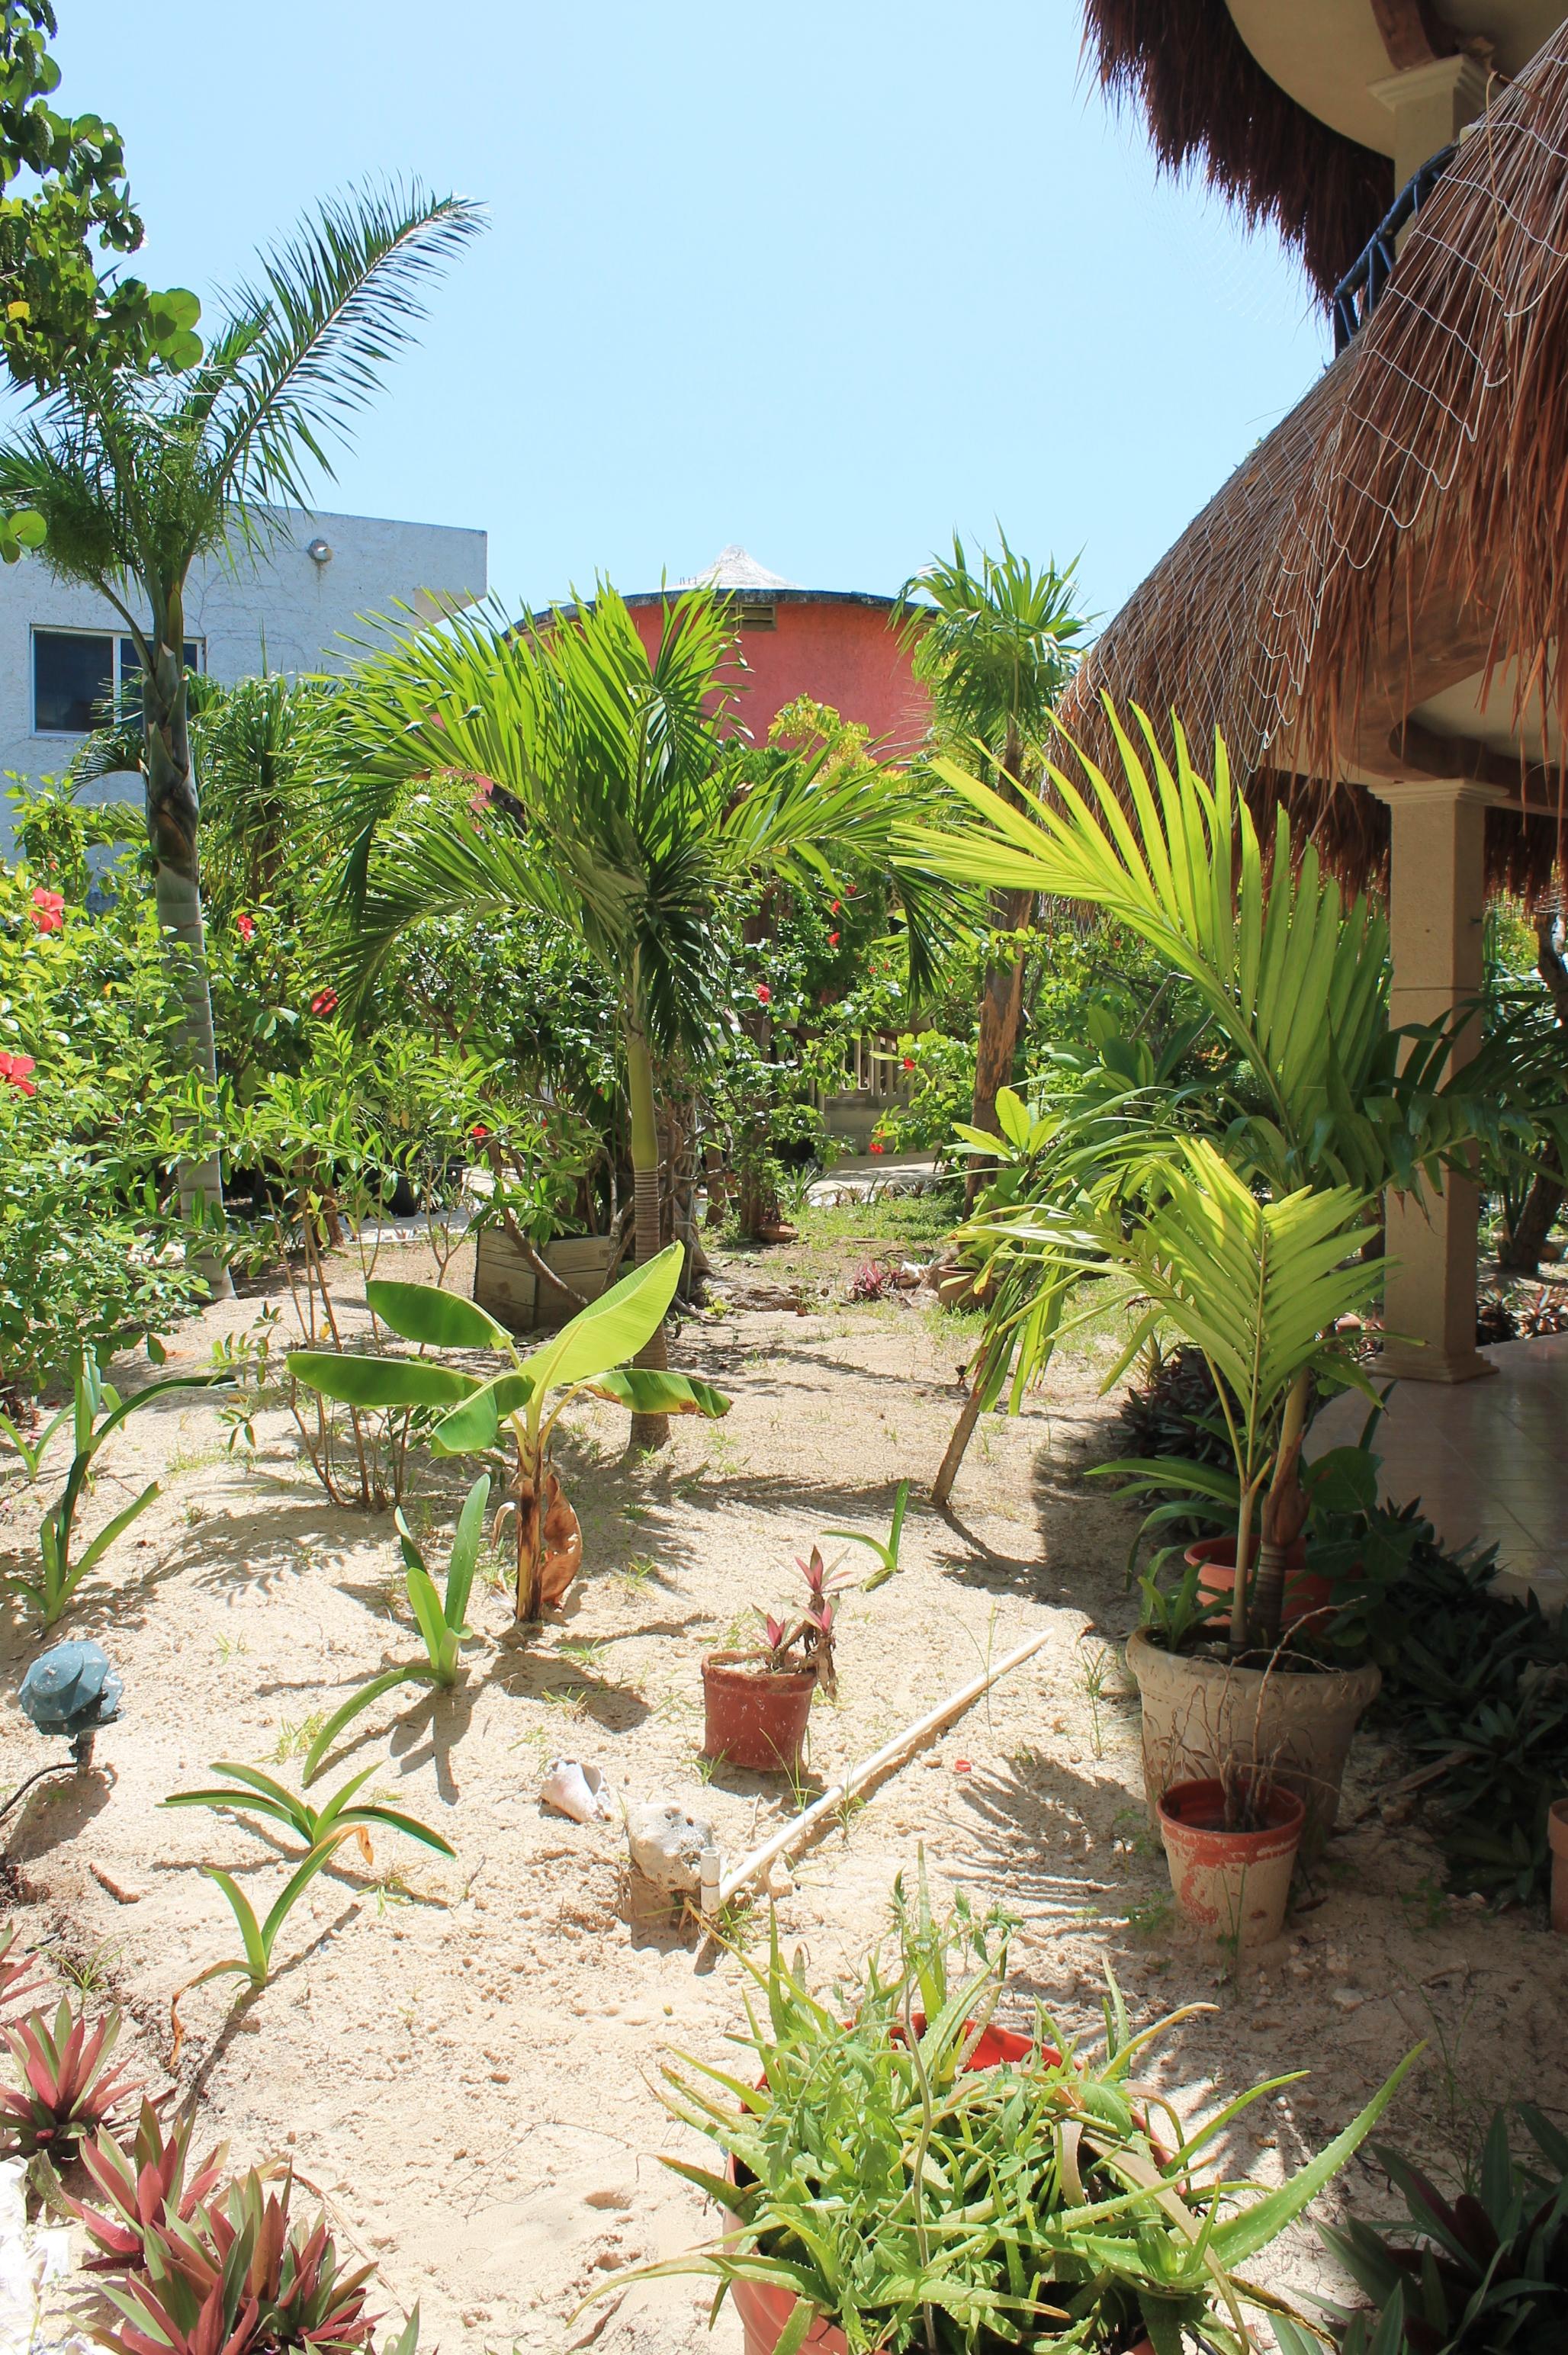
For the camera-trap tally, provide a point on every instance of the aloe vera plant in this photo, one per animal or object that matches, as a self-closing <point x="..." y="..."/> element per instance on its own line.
<point x="920" y="2182"/>
<point x="97" y="1411"/>
<point x="590" y="1354"/>
<point x="253" y="1792"/>
<point x="441" y="1623"/>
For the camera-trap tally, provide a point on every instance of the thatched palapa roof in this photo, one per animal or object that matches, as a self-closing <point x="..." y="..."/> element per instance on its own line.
<point x="1209" y="103"/>
<point x="1401" y="538"/>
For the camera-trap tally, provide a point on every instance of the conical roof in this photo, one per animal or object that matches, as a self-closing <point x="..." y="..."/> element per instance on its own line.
<point x="735" y="567"/>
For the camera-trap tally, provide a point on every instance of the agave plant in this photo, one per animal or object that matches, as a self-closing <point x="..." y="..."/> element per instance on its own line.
<point x="589" y="1354"/>
<point x="141" y="2188"/>
<point x="239" y="2275"/>
<point x="70" y="2089"/>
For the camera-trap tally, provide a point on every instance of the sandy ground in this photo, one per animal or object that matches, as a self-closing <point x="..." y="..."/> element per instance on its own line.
<point x="463" y="2057"/>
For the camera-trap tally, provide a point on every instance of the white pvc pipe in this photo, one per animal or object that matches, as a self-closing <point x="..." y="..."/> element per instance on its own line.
<point x="786" y="1836"/>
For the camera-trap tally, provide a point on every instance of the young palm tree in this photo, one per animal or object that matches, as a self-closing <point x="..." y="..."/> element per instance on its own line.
<point x="995" y="646"/>
<point x="595" y="783"/>
<point x="137" y="474"/>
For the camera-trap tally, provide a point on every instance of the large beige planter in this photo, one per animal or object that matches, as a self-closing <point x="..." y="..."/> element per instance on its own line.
<point x="507" y="1285"/>
<point x="1198" y="1713"/>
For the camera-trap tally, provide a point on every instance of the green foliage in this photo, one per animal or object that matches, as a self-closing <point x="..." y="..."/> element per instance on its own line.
<point x="996" y="645"/>
<point x="590" y="1353"/>
<point x="89" y="1220"/>
<point x="98" y="1411"/>
<point x="441" y="1623"/>
<point x="907" y="2185"/>
<point x="1483" y="2273"/>
<point x="886" y="1551"/>
<point x="56" y="312"/>
<point x="249" y="1791"/>
<point x="258" y="1937"/>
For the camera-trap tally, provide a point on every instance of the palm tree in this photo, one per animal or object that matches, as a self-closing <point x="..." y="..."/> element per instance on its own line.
<point x="137" y="473"/>
<point x="995" y="646"/>
<point x="595" y="783"/>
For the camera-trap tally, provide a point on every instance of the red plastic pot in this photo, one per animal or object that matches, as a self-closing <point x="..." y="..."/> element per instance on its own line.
<point x="754" y="1718"/>
<point x="1214" y="1558"/>
<point x="1233" y="1884"/>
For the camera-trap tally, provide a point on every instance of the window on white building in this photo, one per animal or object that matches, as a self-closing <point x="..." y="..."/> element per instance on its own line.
<point x="75" y="673"/>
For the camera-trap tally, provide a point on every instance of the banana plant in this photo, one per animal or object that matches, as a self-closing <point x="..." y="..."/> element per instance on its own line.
<point x="441" y="1624"/>
<point x="259" y="1794"/>
<point x="258" y="1937"/>
<point x="590" y="1354"/>
<point x="97" y="1411"/>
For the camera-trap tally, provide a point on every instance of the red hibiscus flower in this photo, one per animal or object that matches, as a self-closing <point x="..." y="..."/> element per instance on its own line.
<point x="908" y="1062"/>
<point x="850" y="890"/>
<point x="246" y="927"/>
<point x="877" y="1145"/>
<point x="832" y="940"/>
<point x="49" y="910"/>
<point x="479" y="1130"/>
<point x="17" y="1069"/>
<point x="325" y="1002"/>
<point x="764" y="995"/>
<point x="838" y="907"/>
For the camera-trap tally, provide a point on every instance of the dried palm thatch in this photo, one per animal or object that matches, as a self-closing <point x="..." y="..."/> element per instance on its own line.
<point x="1208" y="100"/>
<point x="1403" y="529"/>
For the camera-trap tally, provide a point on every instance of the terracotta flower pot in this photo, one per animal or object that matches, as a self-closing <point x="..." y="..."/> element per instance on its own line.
<point x="764" y="2310"/>
<point x="1557" y="1833"/>
<point x="1233" y="1884"/>
<point x="755" y="1718"/>
<point x="1214" y="1558"/>
<point x="1198" y="1712"/>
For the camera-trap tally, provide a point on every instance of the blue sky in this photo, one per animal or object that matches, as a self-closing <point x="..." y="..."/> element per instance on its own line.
<point x="828" y="279"/>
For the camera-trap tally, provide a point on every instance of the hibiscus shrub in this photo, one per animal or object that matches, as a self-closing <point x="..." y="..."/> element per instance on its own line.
<point x="90" y="1092"/>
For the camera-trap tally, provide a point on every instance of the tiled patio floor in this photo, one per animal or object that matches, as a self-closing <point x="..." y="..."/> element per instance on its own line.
<point x="1488" y="1459"/>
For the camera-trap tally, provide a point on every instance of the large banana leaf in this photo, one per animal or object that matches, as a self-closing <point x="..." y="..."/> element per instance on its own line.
<point x="610" y="1330"/>
<point x="379" y="1381"/>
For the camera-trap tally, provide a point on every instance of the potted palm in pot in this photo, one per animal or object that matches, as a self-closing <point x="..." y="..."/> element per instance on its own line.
<point x="914" y="2176"/>
<point x="1260" y="1288"/>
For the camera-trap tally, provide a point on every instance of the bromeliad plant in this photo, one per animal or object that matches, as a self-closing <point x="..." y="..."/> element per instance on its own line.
<point x="69" y="2089"/>
<point x="97" y="1411"/>
<point x="443" y="1624"/>
<point x="804" y="1646"/>
<point x="143" y="2187"/>
<point x="592" y="1354"/>
<point x="905" y="2173"/>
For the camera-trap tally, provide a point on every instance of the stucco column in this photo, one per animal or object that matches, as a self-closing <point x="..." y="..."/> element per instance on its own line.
<point x="1431" y="105"/>
<point x="1436" y="906"/>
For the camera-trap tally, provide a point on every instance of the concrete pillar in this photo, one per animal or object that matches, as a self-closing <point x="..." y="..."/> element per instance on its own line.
<point x="1436" y="907"/>
<point x="1431" y="105"/>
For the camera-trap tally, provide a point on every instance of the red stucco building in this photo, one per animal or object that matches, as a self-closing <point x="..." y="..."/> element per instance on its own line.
<point x="840" y="647"/>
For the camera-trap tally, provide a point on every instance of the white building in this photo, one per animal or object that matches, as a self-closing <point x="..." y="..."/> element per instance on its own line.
<point x="296" y="606"/>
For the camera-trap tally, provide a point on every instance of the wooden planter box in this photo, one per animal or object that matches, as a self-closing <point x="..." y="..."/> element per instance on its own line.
<point x="507" y="1285"/>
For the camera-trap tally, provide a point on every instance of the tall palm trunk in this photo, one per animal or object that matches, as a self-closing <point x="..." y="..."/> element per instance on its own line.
<point x="647" y="1430"/>
<point x="171" y="819"/>
<point x="1002" y="992"/>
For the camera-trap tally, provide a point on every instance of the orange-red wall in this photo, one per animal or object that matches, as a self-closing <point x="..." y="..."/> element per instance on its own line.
<point x="838" y="652"/>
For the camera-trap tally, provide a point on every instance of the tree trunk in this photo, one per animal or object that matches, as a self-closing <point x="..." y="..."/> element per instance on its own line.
<point x="647" y="1430"/>
<point x="1001" y="994"/>
<point x="171" y="819"/>
<point x="1522" y="1250"/>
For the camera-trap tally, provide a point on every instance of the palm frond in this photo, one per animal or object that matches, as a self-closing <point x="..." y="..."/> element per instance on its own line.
<point x="305" y="345"/>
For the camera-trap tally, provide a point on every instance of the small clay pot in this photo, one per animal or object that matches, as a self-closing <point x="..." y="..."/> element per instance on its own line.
<point x="1233" y="1884"/>
<point x="753" y="1717"/>
<point x="1214" y="1558"/>
<point x="1557" y="1833"/>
